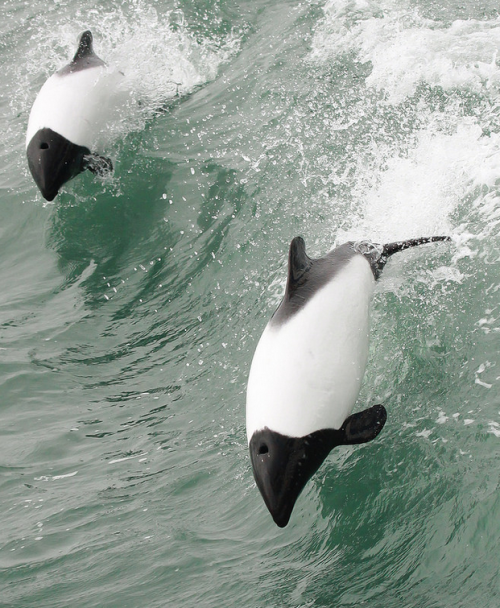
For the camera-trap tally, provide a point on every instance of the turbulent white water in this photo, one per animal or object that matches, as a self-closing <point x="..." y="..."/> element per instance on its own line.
<point x="131" y="306"/>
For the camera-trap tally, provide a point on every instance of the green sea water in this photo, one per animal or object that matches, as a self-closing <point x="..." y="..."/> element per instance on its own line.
<point x="130" y="307"/>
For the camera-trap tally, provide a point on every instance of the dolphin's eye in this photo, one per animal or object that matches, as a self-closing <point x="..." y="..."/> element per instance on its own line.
<point x="44" y="146"/>
<point x="263" y="449"/>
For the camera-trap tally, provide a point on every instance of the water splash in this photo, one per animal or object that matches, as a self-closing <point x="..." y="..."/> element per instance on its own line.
<point x="406" y="49"/>
<point x="159" y="55"/>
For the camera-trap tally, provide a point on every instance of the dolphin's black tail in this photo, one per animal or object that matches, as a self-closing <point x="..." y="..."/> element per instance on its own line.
<point x="397" y="246"/>
<point x="391" y="248"/>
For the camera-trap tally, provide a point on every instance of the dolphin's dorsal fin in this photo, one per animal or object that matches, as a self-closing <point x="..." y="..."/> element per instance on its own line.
<point x="85" y="48"/>
<point x="84" y="57"/>
<point x="306" y="276"/>
<point x="298" y="264"/>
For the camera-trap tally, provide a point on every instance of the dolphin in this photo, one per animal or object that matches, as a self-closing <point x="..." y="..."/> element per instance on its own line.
<point x="308" y="366"/>
<point x="69" y="116"/>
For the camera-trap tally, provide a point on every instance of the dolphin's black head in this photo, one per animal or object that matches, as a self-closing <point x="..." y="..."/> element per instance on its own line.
<point x="283" y="465"/>
<point x="53" y="160"/>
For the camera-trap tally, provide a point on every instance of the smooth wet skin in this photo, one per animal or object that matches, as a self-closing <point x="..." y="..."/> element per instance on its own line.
<point x="308" y="367"/>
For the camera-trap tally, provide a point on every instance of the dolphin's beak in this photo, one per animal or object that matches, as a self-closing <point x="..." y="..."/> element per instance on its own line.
<point x="283" y="465"/>
<point x="53" y="160"/>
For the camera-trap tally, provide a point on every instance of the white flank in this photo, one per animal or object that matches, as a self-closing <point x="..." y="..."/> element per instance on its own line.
<point x="79" y="105"/>
<point x="306" y="374"/>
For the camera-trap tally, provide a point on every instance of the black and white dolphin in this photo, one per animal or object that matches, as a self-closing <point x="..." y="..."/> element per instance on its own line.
<point x="307" y="369"/>
<point x="69" y="117"/>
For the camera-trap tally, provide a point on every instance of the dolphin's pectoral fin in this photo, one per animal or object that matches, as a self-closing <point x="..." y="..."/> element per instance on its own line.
<point x="98" y="165"/>
<point x="364" y="426"/>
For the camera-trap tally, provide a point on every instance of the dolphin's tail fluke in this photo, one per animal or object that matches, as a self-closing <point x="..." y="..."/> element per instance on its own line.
<point x="379" y="260"/>
<point x="391" y="248"/>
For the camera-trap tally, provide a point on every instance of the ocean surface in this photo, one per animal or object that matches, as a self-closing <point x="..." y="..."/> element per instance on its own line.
<point x="130" y="306"/>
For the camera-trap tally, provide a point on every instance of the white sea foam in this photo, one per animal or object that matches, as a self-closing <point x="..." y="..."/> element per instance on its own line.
<point x="416" y="193"/>
<point x="55" y="477"/>
<point x="419" y="187"/>
<point x="494" y="428"/>
<point x="158" y="54"/>
<point x="406" y="49"/>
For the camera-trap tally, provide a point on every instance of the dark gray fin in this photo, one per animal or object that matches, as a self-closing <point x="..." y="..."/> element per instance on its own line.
<point x="364" y="426"/>
<point x="307" y="275"/>
<point x="392" y="248"/>
<point x="299" y="263"/>
<point x="283" y="465"/>
<point x="378" y="255"/>
<point x="98" y="165"/>
<point x="85" y="46"/>
<point x="84" y="57"/>
<point x="53" y="160"/>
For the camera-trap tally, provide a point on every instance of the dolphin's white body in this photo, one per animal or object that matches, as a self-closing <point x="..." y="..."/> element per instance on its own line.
<point x="78" y="105"/>
<point x="306" y="373"/>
